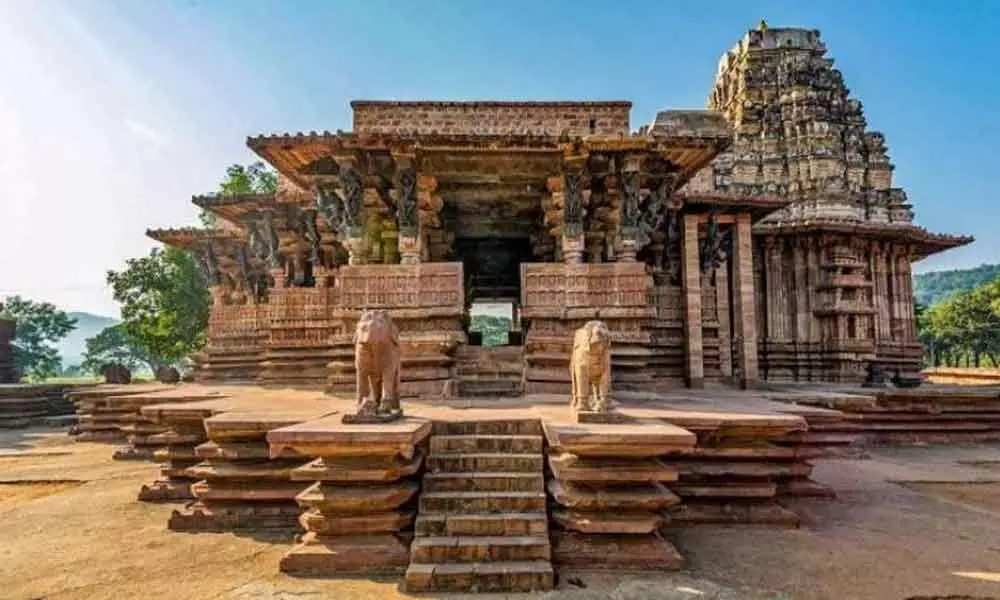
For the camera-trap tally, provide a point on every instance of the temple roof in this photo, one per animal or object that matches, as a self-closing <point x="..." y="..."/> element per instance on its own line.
<point x="189" y="237"/>
<point x="232" y="207"/>
<point x="758" y="205"/>
<point x="925" y="242"/>
<point x="294" y="154"/>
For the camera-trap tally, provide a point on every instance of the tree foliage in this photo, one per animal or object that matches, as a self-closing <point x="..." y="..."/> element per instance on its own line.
<point x="164" y="305"/>
<point x="114" y="345"/>
<point x="964" y="328"/>
<point x="39" y="326"/>
<point x="256" y="178"/>
<point x="931" y="288"/>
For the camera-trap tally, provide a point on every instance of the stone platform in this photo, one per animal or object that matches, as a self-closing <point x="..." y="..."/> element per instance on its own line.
<point x="23" y="405"/>
<point x="495" y="493"/>
<point x="927" y="414"/>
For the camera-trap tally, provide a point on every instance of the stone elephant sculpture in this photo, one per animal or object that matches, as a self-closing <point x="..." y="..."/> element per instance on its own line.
<point x="376" y="360"/>
<point x="590" y="367"/>
<point x="116" y="373"/>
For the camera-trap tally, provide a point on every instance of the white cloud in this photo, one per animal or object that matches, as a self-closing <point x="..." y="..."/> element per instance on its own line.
<point x="146" y="132"/>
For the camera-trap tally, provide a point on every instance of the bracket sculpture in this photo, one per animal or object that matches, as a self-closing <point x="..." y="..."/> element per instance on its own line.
<point x="377" y="363"/>
<point x="590" y="368"/>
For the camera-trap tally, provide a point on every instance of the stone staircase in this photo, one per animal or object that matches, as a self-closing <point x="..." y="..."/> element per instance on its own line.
<point x="486" y="371"/>
<point x="482" y="524"/>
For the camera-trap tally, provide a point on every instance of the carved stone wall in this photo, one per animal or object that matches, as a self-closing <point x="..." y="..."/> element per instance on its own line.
<point x="427" y="304"/>
<point x="493" y="118"/>
<point x="558" y="298"/>
<point x="830" y="304"/>
<point x="299" y="329"/>
<point x="235" y="341"/>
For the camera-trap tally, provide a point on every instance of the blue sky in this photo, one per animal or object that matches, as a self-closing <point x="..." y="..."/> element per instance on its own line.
<point x="112" y="114"/>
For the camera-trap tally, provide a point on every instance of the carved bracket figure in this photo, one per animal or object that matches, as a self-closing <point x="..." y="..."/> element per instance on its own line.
<point x="628" y="189"/>
<point x="331" y="207"/>
<point x="269" y="235"/>
<point x="590" y="368"/>
<point x="573" y="202"/>
<point x="209" y="265"/>
<point x="406" y="206"/>
<point x="352" y="194"/>
<point x="310" y="232"/>
<point x="377" y="363"/>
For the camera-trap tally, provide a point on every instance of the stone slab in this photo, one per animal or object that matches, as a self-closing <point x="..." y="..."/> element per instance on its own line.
<point x="235" y="517"/>
<point x="339" y="555"/>
<point x="635" y="440"/>
<point x="609" y="522"/>
<point x="363" y="499"/>
<point x="359" y="469"/>
<point x="328" y="437"/>
<point x="650" y="497"/>
<point x="355" y="524"/>
<point x="609" y="471"/>
<point x="716" y="512"/>
<point x="255" y="424"/>
<point x="246" y="492"/>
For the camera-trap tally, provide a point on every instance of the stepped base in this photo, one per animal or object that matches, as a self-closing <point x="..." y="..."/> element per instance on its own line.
<point x="532" y="576"/>
<point x="236" y="517"/>
<point x="166" y="491"/>
<point x="332" y="556"/>
<point x="620" y="552"/>
<point x="694" y="512"/>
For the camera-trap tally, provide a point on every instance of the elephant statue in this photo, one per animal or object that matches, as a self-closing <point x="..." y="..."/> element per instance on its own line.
<point x="590" y="367"/>
<point x="376" y="360"/>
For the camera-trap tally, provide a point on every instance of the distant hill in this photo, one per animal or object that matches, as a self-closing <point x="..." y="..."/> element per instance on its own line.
<point x="72" y="347"/>
<point x="930" y="288"/>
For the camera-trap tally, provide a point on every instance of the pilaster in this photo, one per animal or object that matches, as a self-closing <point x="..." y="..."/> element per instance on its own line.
<point x="694" y="367"/>
<point x="744" y="323"/>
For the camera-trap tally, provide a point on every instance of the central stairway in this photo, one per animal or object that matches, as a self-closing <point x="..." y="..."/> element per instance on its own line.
<point x="482" y="524"/>
<point x="486" y="371"/>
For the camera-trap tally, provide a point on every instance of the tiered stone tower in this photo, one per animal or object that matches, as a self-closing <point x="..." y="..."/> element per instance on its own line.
<point x="834" y="288"/>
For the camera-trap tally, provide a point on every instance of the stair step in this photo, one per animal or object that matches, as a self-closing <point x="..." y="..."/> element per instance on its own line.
<point x="482" y="502"/>
<point x="499" y="427"/>
<point x="479" y="462"/>
<point x="489" y="387"/>
<point x="514" y="444"/>
<point x="513" y="523"/>
<point x="525" y="576"/>
<point x="490" y="481"/>
<point x="480" y="548"/>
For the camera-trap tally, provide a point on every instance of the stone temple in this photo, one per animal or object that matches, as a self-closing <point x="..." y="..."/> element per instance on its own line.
<point x="760" y="239"/>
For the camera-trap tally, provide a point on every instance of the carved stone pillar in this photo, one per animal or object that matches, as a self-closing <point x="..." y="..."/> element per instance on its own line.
<point x="722" y="314"/>
<point x="694" y="366"/>
<point x="352" y="192"/>
<point x="278" y="276"/>
<point x="567" y="191"/>
<point x="409" y="190"/>
<point x="628" y="192"/>
<point x="744" y="311"/>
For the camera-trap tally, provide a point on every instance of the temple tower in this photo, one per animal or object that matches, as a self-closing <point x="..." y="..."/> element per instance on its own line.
<point x="834" y="289"/>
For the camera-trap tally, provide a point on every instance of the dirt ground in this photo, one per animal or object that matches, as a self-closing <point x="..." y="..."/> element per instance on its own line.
<point x="913" y="522"/>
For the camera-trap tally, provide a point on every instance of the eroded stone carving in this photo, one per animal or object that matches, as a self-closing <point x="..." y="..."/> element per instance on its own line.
<point x="116" y="373"/>
<point x="590" y="368"/>
<point x="376" y="360"/>
<point x="407" y="207"/>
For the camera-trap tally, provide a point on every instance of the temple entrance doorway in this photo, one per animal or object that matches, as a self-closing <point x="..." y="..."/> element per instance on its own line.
<point x="492" y="269"/>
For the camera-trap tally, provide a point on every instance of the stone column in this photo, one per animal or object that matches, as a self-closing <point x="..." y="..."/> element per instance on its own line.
<point x="744" y="321"/>
<point x="722" y="312"/>
<point x="412" y="191"/>
<point x="628" y="202"/>
<point x="567" y="191"/>
<point x="694" y="366"/>
<point x="352" y="191"/>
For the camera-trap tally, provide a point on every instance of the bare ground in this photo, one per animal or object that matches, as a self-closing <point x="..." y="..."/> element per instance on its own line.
<point x="919" y="522"/>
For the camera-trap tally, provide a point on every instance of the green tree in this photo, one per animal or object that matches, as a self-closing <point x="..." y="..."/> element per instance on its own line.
<point x="39" y="326"/>
<point x="255" y="178"/>
<point x="114" y="345"/>
<point x="164" y="304"/>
